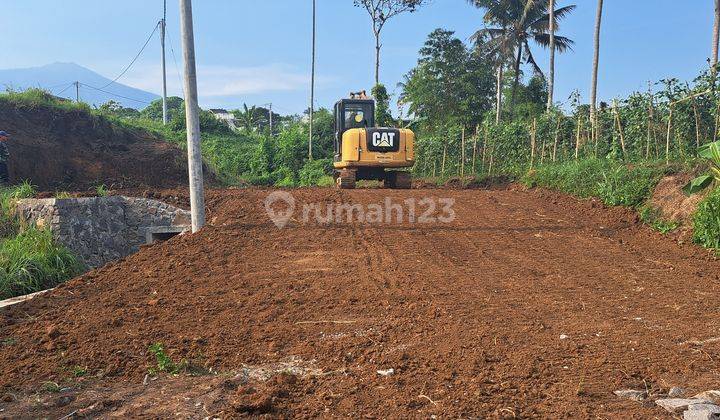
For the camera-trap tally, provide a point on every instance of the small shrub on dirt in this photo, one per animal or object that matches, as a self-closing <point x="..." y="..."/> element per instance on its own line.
<point x="79" y="371"/>
<point x="706" y="222"/>
<point x="163" y="362"/>
<point x="51" y="386"/>
<point x="102" y="191"/>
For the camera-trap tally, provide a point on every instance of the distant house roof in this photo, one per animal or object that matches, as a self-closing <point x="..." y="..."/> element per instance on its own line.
<point x="219" y="111"/>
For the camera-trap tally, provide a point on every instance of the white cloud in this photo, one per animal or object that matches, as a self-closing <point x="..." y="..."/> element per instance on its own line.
<point x="219" y="81"/>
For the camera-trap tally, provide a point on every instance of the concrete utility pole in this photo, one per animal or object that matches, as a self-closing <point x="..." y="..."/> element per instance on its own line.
<point x="271" y="120"/>
<point x="77" y="92"/>
<point x="164" y="73"/>
<point x="192" y="118"/>
<point x="312" y="84"/>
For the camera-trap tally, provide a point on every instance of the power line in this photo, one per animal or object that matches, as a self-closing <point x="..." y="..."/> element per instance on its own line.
<point x="177" y="69"/>
<point x="66" y="88"/>
<point x="115" y="94"/>
<point x="134" y="59"/>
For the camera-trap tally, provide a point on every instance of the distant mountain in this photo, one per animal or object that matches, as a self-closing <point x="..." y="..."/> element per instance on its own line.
<point x="57" y="78"/>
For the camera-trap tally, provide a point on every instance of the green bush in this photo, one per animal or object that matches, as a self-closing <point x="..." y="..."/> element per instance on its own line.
<point x="314" y="172"/>
<point x="706" y="222"/>
<point x="31" y="261"/>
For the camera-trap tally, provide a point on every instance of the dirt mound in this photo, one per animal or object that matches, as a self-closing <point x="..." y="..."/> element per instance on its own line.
<point x="60" y="149"/>
<point x="672" y="202"/>
<point x="528" y="304"/>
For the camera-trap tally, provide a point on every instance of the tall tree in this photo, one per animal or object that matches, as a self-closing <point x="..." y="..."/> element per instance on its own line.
<point x="551" y="71"/>
<point x="380" y="12"/>
<point x="451" y="85"/>
<point x="517" y="23"/>
<point x="596" y="63"/>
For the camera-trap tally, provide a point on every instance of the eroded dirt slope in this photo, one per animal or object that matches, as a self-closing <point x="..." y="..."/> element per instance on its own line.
<point x="468" y="314"/>
<point x="72" y="150"/>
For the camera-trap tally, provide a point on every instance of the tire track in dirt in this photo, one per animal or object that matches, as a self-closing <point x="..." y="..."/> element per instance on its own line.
<point x="469" y="314"/>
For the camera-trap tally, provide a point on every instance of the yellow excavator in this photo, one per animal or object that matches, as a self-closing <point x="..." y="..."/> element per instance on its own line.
<point x="366" y="152"/>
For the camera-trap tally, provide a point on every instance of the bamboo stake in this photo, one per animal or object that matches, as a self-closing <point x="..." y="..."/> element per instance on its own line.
<point x="492" y="160"/>
<point x="475" y="142"/>
<point x="697" y="123"/>
<point x="653" y="129"/>
<point x="697" y="117"/>
<point x="462" y="154"/>
<point x="542" y="153"/>
<point x="693" y="96"/>
<point x="717" y="121"/>
<point x="597" y="131"/>
<point x="485" y="145"/>
<point x="557" y="135"/>
<point x="620" y="128"/>
<point x="442" y="168"/>
<point x="577" y="138"/>
<point x="532" y="143"/>
<point x="667" y="142"/>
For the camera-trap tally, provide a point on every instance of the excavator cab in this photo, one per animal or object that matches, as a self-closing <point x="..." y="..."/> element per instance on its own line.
<point x="366" y="152"/>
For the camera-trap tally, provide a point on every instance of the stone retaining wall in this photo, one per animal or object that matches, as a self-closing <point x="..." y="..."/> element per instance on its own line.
<point x="103" y="229"/>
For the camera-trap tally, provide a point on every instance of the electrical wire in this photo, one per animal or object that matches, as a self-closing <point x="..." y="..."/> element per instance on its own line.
<point x="63" y="91"/>
<point x="134" y="59"/>
<point x="115" y="94"/>
<point x="177" y="68"/>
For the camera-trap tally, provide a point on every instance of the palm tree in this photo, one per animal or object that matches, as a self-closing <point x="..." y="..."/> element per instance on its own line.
<point x="519" y="22"/>
<point x="596" y="63"/>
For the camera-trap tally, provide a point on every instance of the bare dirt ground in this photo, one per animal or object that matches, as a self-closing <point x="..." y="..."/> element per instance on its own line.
<point x="529" y="304"/>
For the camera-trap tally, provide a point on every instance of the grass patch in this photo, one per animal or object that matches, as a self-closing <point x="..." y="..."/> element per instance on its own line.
<point x="615" y="183"/>
<point x="30" y="260"/>
<point x="706" y="222"/>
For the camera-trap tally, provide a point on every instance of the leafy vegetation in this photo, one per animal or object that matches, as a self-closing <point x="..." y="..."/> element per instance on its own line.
<point x="163" y="362"/>
<point x="706" y="223"/>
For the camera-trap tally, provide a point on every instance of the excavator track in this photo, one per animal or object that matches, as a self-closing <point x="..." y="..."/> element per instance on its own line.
<point x="346" y="179"/>
<point x="398" y="180"/>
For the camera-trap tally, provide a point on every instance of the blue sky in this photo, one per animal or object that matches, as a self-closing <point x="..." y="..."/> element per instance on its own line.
<point x="257" y="51"/>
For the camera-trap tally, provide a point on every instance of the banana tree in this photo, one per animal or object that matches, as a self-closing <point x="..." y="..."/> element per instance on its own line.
<point x="711" y="152"/>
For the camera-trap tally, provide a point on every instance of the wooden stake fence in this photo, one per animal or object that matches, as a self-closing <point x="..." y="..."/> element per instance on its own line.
<point x="475" y="142"/>
<point x="618" y="123"/>
<point x="667" y="141"/>
<point x="557" y="135"/>
<point x="532" y="143"/>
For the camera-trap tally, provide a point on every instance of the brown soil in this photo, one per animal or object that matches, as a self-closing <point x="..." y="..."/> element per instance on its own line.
<point x="72" y="150"/>
<point x="297" y="322"/>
